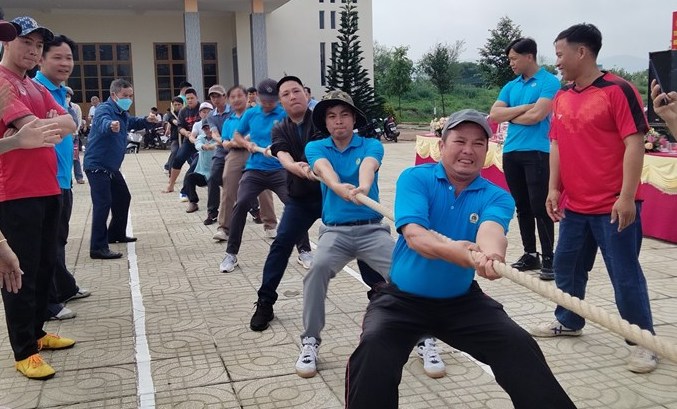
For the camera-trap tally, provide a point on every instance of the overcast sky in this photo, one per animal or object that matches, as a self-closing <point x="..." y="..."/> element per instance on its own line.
<point x="629" y="27"/>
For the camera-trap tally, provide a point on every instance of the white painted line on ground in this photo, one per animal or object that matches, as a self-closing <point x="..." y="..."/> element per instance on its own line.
<point x="144" y="377"/>
<point x="486" y="368"/>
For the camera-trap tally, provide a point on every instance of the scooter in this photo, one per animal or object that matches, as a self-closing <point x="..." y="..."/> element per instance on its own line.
<point x="134" y="139"/>
<point x="390" y="128"/>
<point x="371" y="130"/>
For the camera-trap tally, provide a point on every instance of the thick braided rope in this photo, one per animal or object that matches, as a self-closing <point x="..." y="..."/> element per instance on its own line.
<point x="593" y="313"/>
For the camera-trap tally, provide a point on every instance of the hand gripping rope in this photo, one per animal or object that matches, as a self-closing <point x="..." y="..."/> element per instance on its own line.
<point x="593" y="313"/>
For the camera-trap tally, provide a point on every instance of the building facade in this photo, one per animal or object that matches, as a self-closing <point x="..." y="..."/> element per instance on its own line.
<point x="157" y="44"/>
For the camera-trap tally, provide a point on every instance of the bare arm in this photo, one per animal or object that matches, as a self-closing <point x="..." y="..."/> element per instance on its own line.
<point x="624" y="209"/>
<point x="32" y="135"/>
<point x="554" y="185"/>
<point x="493" y="244"/>
<point x="10" y="270"/>
<point x="325" y="171"/>
<point x="300" y="169"/>
<point x="666" y="111"/>
<point x="368" y="169"/>
<point x="538" y="112"/>
<point x="501" y="112"/>
<point x="64" y="122"/>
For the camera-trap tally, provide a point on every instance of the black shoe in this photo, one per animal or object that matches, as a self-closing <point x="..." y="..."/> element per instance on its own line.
<point x="211" y="219"/>
<point x="547" y="273"/>
<point x="262" y="316"/>
<point x="125" y="239"/>
<point x="256" y="216"/>
<point x="527" y="262"/>
<point x="104" y="254"/>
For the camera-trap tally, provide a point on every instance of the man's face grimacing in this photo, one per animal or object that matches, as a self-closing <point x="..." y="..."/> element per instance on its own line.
<point x="293" y="98"/>
<point x="191" y="100"/>
<point x="57" y="63"/>
<point x="463" y="150"/>
<point x="25" y="52"/>
<point x="340" y="121"/>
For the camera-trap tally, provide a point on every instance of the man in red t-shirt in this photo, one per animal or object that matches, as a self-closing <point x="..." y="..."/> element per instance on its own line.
<point x="30" y="200"/>
<point x="596" y="158"/>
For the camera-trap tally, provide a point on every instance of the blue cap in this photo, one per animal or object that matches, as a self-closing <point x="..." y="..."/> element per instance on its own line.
<point x="25" y="25"/>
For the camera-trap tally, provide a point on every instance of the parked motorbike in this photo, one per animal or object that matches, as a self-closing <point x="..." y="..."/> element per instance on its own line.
<point x="134" y="139"/>
<point x="390" y="129"/>
<point x="371" y="130"/>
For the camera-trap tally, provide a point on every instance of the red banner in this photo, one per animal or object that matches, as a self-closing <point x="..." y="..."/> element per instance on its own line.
<point x="674" y="30"/>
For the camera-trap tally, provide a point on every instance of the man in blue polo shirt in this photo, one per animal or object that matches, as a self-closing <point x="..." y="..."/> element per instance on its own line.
<point x="348" y="165"/>
<point x="526" y="102"/>
<point x="261" y="171"/>
<point x="432" y="288"/>
<point x="56" y="66"/>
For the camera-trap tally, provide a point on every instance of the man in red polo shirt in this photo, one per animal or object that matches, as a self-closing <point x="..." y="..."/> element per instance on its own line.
<point x="30" y="200"/>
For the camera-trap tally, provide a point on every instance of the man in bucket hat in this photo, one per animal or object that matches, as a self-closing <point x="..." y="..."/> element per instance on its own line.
<point x="30" y="199"/>
<point x="348" y="165"/>
<point x="432" y="288"/>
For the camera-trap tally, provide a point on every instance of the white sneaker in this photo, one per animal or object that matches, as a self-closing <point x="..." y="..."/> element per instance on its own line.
<point x="64" y="314"/>
<point x="433" y="366"/>
<point x="183" y="198"/>
<point x="229" y="263"/>
<point x="306" y="365"/>
<point x="554" y="329"/>
<point x="220" y="234"/>
<point x="642" y="360"/>
<point x="271" y="233"/>
<point x="305" y="259"/>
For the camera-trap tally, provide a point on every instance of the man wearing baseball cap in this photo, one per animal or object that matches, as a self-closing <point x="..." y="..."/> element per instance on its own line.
<point x="432" y="288"/>
<point x="30" y="198"/>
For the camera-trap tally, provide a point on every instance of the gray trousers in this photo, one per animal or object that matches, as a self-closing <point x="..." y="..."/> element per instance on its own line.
<point x="337" y="246"/>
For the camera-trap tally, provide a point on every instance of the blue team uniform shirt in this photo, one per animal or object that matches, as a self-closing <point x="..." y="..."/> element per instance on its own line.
<point x="64" y="149"/>
<point x="258" y="125"/>
<point x="229" y="126"/>
<point x="425" y="197"/>
<point x="519" y="92"/>
<point x="346" y="164"/>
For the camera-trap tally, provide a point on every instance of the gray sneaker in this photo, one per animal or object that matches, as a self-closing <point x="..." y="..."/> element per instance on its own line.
<point x="220" y="234"/>
<point x="82" y="293"/>
<point x="554" y="329"/>
<point x="64" y="314"/>
<point x="306" y="365"/>
<point x="642" y="360"/>
<point x="305" y="259"/>
<point x="229" y="263"/>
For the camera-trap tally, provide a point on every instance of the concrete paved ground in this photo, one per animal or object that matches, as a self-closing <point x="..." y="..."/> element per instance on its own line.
<point x="202" y="353"/>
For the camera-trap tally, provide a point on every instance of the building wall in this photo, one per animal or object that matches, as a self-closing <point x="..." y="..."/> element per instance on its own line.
<point x="142" y="31"/>
<point x="294" y="37"/>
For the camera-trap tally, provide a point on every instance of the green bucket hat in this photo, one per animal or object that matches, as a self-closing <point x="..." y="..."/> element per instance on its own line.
<point x="333" y="98"/>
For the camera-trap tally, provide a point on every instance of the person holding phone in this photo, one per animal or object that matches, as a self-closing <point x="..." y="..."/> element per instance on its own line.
<point x="665" y="105"/>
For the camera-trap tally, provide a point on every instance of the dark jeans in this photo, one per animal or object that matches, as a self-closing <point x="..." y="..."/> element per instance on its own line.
<point x="527" y="173"/>
<point x="77" y="167"/>
<point x="30" y="226"/>
<point x="252" y="183"/>
<point x="184" y="154"/>
<point x="173" y="149"/>
<point x="474" y="323"/>
<point x="110" y="195"/>
<point x="215" y="181"/>
<point x="213" y="195"/>
<point x="579" y="237"/>
<point x="64" y="285"/>
<point x="297" y="218"/>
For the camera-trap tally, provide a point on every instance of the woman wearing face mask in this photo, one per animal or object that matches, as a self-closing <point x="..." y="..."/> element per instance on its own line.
<point x="105" y="152"/>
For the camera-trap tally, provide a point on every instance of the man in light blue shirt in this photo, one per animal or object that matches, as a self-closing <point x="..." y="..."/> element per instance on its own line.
<point x="526" y="103"/>
<point x="55" y="68"/>
<point x="432" y="288"/>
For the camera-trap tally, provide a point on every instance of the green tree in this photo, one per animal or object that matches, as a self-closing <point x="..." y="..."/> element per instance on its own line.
<point x="383" y="58"/>
<point x="440" y="64"/>
<point x="398" y="76"/>
<point x="494" y="63"/>
<point x="551" y="68"/>
<point x="469" y="74"/>
<point x="346" y="71"/>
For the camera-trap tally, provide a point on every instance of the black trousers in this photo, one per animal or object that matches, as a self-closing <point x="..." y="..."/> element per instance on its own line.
<point x="527" y="173"/>
<point x="64" y="285"/>
<point x="213" y="194"/>
<point x="473" y="323"/>
<point x="110" y="195"/>
<point x="30" y="226"/>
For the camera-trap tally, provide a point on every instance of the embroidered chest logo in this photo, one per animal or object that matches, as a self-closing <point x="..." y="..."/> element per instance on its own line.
<point x="357" y="161"/>
<point x="474" y="218"/>
<point x="22" y="90"/>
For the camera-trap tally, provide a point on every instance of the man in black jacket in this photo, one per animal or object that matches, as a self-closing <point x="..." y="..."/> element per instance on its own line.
<point x="304" y="207"/>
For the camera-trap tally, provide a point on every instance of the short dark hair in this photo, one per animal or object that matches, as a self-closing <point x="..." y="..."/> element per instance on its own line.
<point x="522" y="46"/>
<point x="287" y="79"/>
<point x="178" y="99"/>
<point x="233" y="88"/>
<point x="57" y="41"/>
<point x="119" y="84"/>
<point x="154" y="109"/>
<point x="190" y="91"/>
<point x="251" y="89"/>
<point x="307" y="90"/>
<point x="585" y="34"/>
<point x="184" y="84"/>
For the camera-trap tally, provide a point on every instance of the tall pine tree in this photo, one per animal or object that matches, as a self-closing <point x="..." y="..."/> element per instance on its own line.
<point x="494" y="64"/>
<point x="346" y="71"/>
